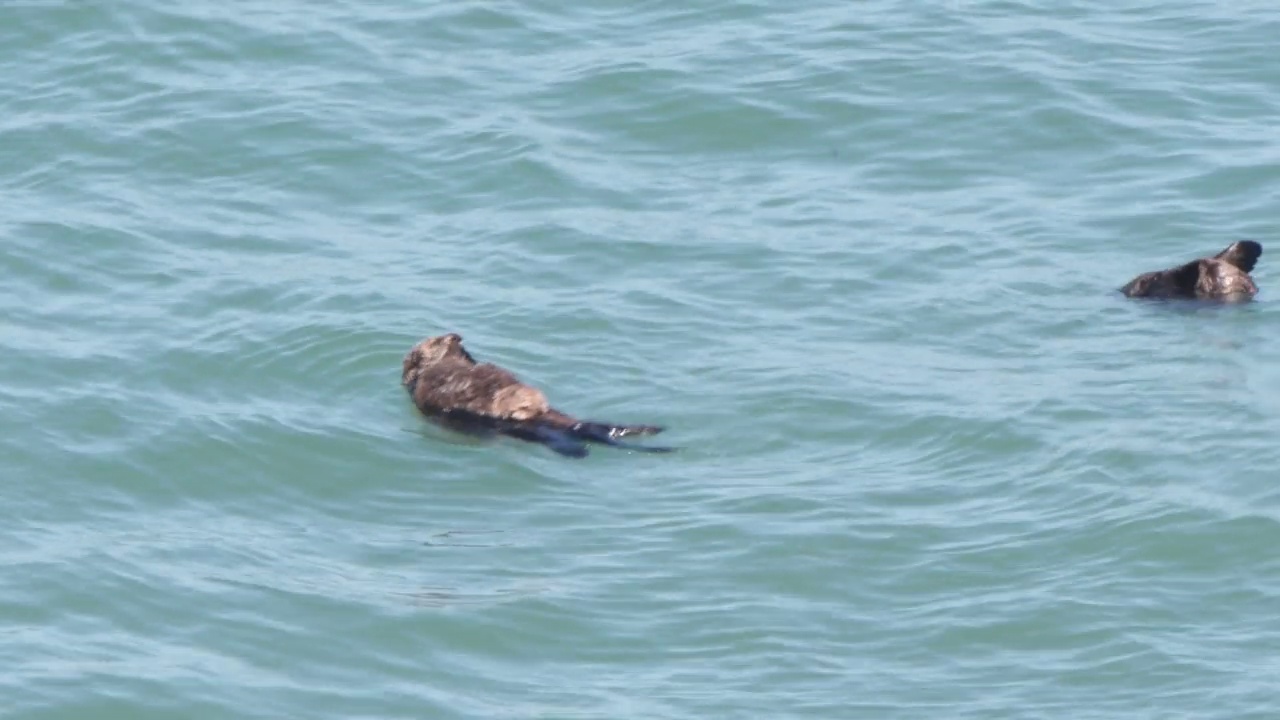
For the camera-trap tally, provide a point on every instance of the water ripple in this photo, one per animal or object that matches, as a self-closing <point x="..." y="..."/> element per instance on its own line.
<point x="861" y="264"/>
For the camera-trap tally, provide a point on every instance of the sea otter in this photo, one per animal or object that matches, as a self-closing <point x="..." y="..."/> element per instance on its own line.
<point x="449" y="386"/>
<point x="1224" y="276"/>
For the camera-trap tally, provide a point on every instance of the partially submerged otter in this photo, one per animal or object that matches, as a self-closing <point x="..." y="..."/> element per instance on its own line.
<point x="1224" y="276"/>
<point x="448" y="385"/>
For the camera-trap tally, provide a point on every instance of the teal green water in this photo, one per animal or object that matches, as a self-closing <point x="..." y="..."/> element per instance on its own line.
<point x="859" y="258"/>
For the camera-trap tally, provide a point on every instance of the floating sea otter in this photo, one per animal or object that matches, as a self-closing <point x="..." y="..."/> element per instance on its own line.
<point x="1224" y="276"/>
<point x="449" y="386"/>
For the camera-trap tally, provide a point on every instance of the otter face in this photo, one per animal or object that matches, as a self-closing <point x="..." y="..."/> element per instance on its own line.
<point x="429" y="352"/>
<point x="1139" y="286"/>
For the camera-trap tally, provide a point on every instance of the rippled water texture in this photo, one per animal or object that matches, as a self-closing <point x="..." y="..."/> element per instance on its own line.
<point x="860" y="258"/>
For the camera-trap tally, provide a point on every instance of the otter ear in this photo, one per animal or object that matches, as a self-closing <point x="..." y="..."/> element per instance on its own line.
<point x="1243" y="254"/>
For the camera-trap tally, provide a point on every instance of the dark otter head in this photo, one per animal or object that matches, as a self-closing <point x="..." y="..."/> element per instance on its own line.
<point x="431" y="351"/>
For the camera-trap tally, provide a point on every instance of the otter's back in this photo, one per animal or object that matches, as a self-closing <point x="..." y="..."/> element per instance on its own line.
<point x="484" y="389"/>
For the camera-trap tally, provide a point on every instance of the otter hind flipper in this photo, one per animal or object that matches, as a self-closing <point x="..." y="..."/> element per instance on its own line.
<point x="561" y="441"/>
<point x="608" y="434"/>
<point x="593" y="428"/>
<point x="1243" y="254"/>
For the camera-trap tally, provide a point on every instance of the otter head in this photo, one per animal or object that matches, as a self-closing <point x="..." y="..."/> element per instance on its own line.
<point x="431" y="351"/>
<point x="519" y="402"/>
<point x="1140" y="286"/>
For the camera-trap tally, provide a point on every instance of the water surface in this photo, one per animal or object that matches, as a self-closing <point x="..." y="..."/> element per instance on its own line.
<point x="860" y="258"/>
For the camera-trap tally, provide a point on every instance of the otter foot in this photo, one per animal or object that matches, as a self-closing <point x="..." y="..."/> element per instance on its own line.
<point x="554" y="438"/>
<point x="607" y="434"/>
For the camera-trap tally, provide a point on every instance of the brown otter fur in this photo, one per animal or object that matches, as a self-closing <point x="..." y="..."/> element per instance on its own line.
<point x="1224" y="276"/>
<point x="446" y="383"/>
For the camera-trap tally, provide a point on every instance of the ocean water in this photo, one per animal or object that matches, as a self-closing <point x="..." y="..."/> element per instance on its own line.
<point x="859" y="258"/>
